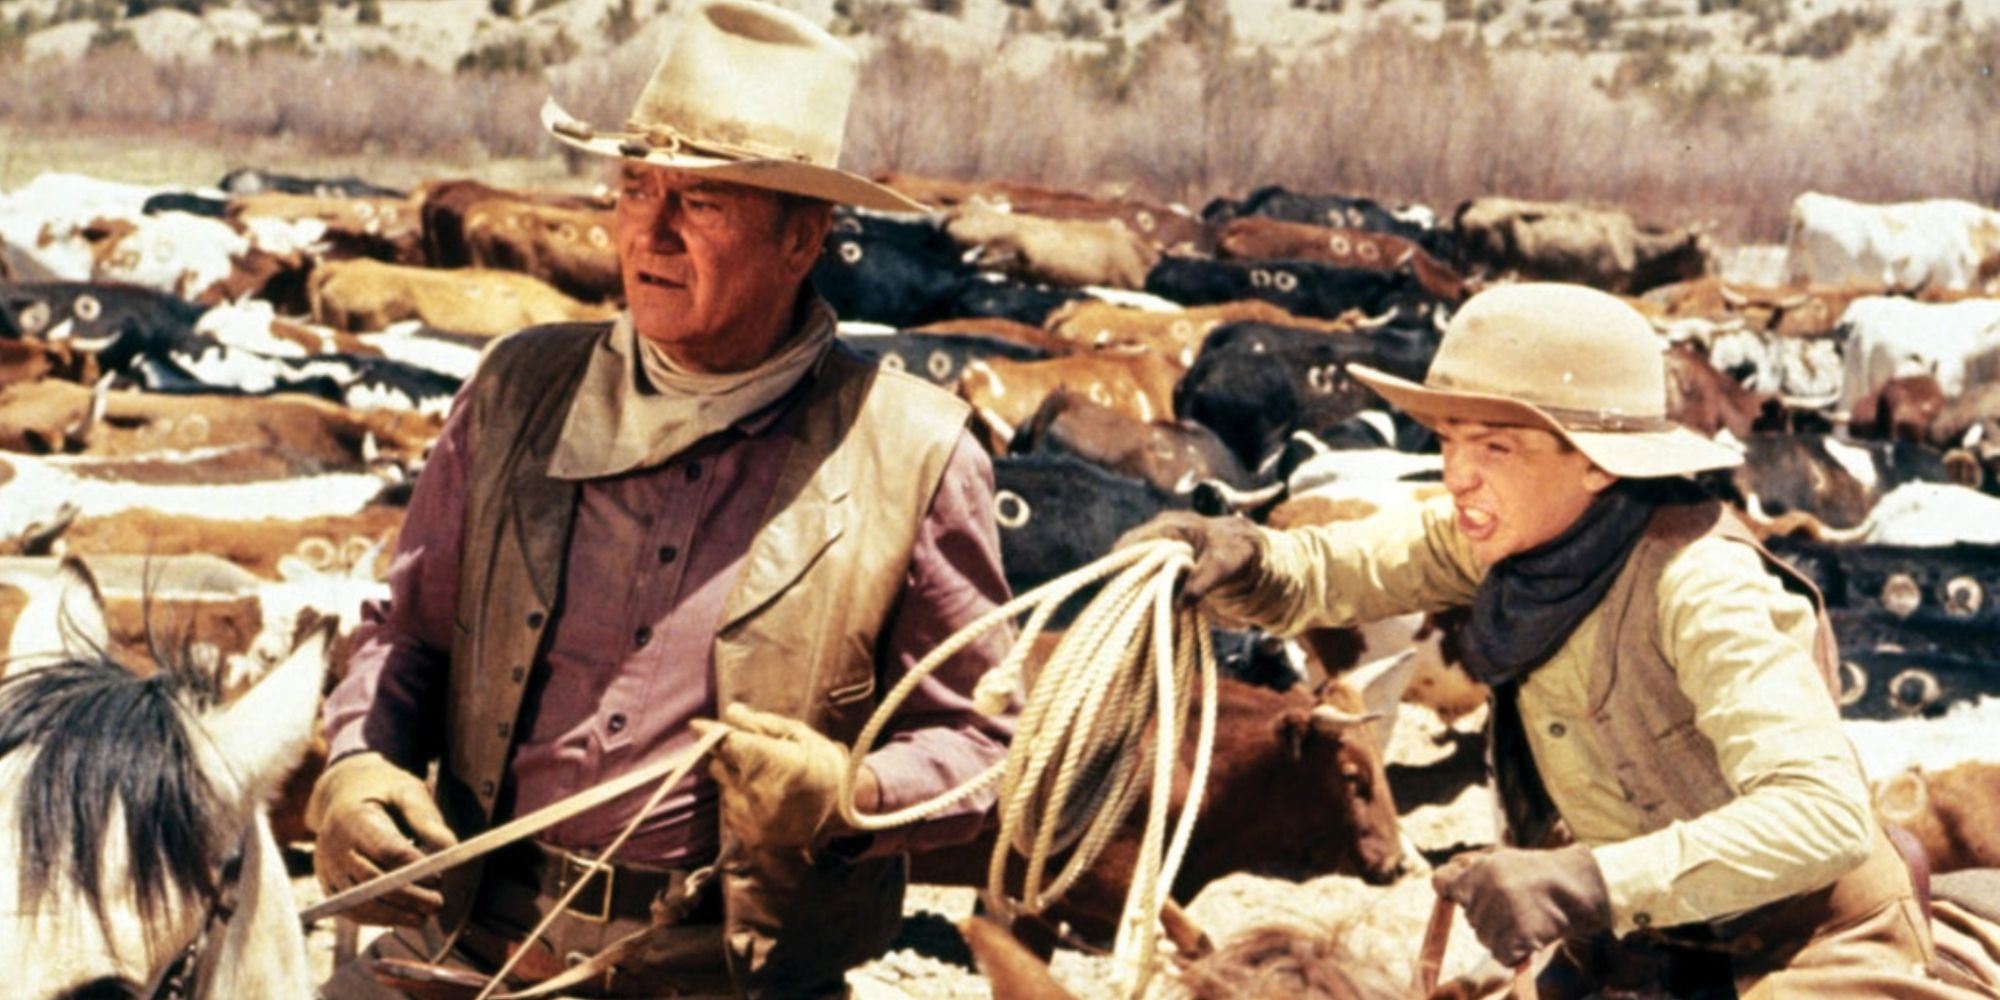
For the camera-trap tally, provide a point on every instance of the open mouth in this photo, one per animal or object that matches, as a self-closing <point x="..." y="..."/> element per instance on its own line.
<point x="659" y="281"/>
<point x="1476" y="524"/>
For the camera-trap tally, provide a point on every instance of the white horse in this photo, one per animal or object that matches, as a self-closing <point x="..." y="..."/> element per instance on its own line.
<point x="135" y="860"/>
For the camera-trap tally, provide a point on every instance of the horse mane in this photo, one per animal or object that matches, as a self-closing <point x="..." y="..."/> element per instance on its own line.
<point x="99" y="735"/>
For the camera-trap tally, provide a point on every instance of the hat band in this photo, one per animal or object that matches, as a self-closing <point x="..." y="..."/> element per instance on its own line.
<point x="1602" y="420"/>
<point x="1571" y="418"/>
<point x="672" y="141"/>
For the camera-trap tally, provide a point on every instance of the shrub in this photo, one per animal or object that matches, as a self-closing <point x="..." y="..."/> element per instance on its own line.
<point x="1833" y="34"/>
<point x="1598" y="17"/>
<point x="368" y="12"/>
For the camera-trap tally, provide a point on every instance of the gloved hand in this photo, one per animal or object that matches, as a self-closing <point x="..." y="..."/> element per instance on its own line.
<point x="1227" y="550"/>
<point x="366" y="812"/>
<point x="1519" y="901"/>
<point x="780" y="778"/>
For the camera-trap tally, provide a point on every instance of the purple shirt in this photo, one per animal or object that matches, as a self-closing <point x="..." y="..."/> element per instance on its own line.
<point x="653" y="556"/>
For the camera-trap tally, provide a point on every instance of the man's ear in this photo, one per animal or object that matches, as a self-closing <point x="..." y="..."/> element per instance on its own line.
<point x="806" y="229"/>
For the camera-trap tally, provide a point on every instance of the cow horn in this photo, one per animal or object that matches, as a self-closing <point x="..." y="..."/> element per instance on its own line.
<point x="1330" y="721"/>
<point x="1734" y="298"/>
<point x="1375" y="322"/>
<point x="1245" y="499"/>
<point x="76" y="438"/>
<point x="1791" y="402"/>
<point x="1798" y="301"/>
<point x="39" y="538"/>
<point x="998" y="424"/>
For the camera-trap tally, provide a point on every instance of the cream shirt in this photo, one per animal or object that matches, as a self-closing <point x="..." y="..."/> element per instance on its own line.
<point x="1741" y="646"/>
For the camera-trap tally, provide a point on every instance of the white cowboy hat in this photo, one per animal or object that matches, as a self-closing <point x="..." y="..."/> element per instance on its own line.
<point x="1564" y="358"/>
<point x="747" y="93"/>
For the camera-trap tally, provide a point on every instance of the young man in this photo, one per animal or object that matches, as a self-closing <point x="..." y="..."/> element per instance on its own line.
<point x="705" y="508"/>
<point x="1683" y="809"/>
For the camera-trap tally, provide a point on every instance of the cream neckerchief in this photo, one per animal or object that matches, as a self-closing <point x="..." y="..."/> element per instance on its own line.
<point x="636" y="408"/>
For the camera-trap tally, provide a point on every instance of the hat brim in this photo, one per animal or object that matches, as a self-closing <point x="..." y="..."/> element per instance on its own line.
<point x="790" y="176"/>
<point x="1626" y="454"/>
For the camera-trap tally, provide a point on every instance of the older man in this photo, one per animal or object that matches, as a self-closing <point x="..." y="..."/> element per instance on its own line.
<point x="1685" y="814"/>
<point x="707" y="507"/>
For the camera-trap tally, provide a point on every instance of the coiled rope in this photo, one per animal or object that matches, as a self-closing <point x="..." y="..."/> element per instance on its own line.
<point x="1089" y="734"/>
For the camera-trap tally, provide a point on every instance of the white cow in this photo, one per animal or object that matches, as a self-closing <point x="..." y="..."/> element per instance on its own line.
<point x="1938" y="243"/>
<point x="1956" y="342"/>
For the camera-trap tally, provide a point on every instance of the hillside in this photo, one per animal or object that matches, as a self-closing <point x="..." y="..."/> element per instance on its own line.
<point x="1707" y="111"/>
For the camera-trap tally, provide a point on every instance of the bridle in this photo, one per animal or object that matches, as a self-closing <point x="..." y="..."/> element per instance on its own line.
<point x="179" y="979"/>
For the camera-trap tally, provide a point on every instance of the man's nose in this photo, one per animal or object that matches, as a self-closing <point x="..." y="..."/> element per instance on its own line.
<point x="663" y="230"/>
<point x="1459" y="475"/>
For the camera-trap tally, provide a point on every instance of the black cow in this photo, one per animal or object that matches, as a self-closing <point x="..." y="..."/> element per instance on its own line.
<point x="879" y="270"/>
<point x="118" y="323"/>
<point x="1301" y="287"/>
<point x="990" y="295"/>
<point x="1059" y="512"/>
<point x="1337" y="211"/>
<point x="1253" y="384"/>
<point x="183" y="201"/>
<point x="250" y="180"/>
<point x="149" y="337"/>
<point x="937" y="357"/>
<point x="1917" y="626"/>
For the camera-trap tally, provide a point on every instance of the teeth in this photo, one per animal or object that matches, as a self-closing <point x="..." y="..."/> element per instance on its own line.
<point x="1478" y="518"/>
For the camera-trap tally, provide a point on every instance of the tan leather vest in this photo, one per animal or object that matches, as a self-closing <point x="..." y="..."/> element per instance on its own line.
<point x="1663" y="762"/>
<point x="798" y="631"/>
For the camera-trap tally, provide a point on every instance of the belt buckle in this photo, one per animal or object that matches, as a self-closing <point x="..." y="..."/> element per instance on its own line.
<point x="577" y="868"/>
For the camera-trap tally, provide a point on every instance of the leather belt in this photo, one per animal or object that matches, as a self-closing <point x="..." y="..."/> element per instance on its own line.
<point x="619" y="891"/>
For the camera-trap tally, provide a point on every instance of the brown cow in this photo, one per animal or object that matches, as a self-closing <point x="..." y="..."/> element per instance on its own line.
<point x="327" y="543"/>
<point x="364" y="295"/>
<point x="298" y="434"/>
<point x="443" y="205"/>
<point x="387" y="229"/>
<point x="1095" y="323"/>
<point x="1949" y="812"/>
<point x="1900" y="409"/>
<point x="1000" y="328"/>
<point x="1705" y="400"/>
<point x="1560" y="241"/>
<point x="1258" y="238"/>
<point x="1292" y="747"/>
<point x="1173" y="456"/>
<point x="569" y="248"/>
<point x="1068" y="252"/>
<point x="1138" y="384"/>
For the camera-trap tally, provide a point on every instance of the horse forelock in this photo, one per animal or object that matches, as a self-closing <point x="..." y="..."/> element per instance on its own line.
<point x="104" y="745"/>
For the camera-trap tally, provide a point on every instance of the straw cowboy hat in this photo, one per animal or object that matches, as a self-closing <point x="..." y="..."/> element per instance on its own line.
<point x="1564" y="358"/>
<point x="747" y="93"/>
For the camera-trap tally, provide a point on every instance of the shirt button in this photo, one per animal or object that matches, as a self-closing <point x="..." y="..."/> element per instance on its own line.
<point x="694" y="471"/>
<point x="667" y="553"/>
<point x="486" y="789"/>
<point x="520" y="674"/>
<point x="616" y="723"/>
<point x="642" y="636"/>
<point x="1643" y="919"/>
<point x="503" y="729"/>
<point x="535" y="619"/>
<point x="1558" y="730"/>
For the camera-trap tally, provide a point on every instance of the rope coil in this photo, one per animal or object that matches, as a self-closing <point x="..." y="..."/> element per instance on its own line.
<point x="1090" y="733"/>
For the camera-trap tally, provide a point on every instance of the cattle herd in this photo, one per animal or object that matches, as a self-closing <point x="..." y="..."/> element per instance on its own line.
<point x="218" y="397"/>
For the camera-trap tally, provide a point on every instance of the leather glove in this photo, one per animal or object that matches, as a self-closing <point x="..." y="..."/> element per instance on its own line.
<point x="780" y="778"/>
<point x="371" y="817"/>
<point x="1519" y="901"/>
<point x="1227" y="550"/>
